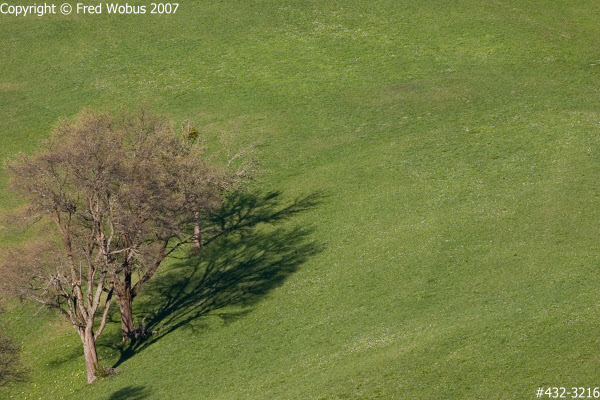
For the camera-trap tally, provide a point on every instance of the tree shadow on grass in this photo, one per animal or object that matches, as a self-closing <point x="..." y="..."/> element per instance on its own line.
<point x="131" y="393"/>
<point x="248" y="255"/>
<point x="74" y="353"/>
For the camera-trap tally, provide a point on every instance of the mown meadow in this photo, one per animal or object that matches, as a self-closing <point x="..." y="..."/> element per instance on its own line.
<point x="457" y="144"/>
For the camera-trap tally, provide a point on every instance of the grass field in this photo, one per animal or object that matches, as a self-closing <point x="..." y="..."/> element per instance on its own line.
<point x="458" y="144"/>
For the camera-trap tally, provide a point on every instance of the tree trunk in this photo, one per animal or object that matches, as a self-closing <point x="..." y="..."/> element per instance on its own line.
<point x="125" y="296"/>
<point x="197" y="231"/>
<point x="127" y="325"/>
<point x="89" y="351"/>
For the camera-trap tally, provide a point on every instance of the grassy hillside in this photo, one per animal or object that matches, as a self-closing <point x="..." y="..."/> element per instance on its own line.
<point x="459" y="146"/>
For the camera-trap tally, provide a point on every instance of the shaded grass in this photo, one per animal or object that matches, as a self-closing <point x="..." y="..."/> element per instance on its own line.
<point x="236" y="268"/>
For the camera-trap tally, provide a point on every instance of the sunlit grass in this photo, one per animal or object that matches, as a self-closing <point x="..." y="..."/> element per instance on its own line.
<point x="458" y="144"/>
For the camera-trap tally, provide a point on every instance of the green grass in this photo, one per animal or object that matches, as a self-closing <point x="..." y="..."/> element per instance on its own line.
<point x="459" y="146"/>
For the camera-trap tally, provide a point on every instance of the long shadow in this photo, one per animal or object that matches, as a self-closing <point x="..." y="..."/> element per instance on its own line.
<point x="131" y="393"/>
<point x="247" y="255"/>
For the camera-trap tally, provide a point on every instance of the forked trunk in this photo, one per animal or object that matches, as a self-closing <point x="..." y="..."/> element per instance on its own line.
<point x="89" y="351"/>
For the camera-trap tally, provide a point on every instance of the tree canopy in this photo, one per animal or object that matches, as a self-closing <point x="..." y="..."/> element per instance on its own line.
<point x="124" y="191"/>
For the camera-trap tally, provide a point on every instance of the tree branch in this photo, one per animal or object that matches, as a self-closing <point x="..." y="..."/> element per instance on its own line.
<point x="104" y="314"/>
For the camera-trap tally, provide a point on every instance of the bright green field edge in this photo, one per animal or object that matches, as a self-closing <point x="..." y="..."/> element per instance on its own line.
<point x="458" y="142"/>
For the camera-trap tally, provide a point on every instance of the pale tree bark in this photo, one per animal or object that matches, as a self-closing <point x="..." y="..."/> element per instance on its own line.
<point x="197" y="231"/>
<point x="88" y="338"/>
<point x="89" y="351"/>
<point x="82" y="309"/>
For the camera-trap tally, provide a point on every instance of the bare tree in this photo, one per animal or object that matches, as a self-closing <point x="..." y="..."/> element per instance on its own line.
<point x="124" y="192"/>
